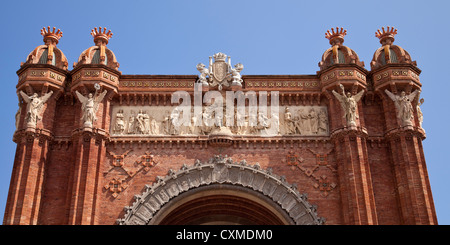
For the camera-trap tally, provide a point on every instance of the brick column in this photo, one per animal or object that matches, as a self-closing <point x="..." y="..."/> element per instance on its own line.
<point x="350" y="142"/>
<point x="412" y="183"/>
<point x="411" y="178"/>
<point x="412" y="187"/>
<point x="90" y="151"/>
<point x="27" y="178"/>
<point x="358" y="202"/>
<point x="355" y="181"/>
<point x="33" y="144"/>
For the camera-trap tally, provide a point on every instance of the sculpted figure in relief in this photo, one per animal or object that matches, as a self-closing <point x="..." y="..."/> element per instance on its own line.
<point x="302" y="124"/>
<point x="146" y="119"/>
<point x="322" y="122"/>
<point x="131" y="124"/>
<point x="349" y="104"/>
<point x="89" y="105"/>
<point x="142" y="123"/>
<point x="34" y="107"/>
<point x="313" y="120"/>
<point x="17" y="116"/>
<point x="263" y="123"/>
<point x="304" y="121"/>
<point x="405" y="111"/>
<point x="240" y="122"/>
<point x="275" y="124"/>
<point x="298" y="120"/>
<point x="207" y="121"/>
<point x="154" y="128"/>
<point x="289" y="121"/>
<point x="419" y="111"/>
<point x="119" y="127"/>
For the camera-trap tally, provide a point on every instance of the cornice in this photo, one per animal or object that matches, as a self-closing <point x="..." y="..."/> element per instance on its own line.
<point x="95" y="66"/>
<point x="343" y="66"/>
<point x="44" y="66"/>
<point x="395" y="66"/>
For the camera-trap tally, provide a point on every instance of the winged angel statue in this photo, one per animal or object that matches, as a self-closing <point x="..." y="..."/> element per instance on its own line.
<point x="89" y="105"/>
<point x="405" y="111"/>
<point x="34" y="107"/>
<point x="349" y="104"/>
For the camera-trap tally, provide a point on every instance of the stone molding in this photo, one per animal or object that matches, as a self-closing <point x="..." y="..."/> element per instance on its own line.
<point x="220" y="170"/>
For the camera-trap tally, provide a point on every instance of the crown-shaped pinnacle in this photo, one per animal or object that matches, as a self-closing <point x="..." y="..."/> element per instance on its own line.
<point x="220" y="56"/>
<point x="101" y="36"/>
<point x="336" y="37"/>
<point x="51" y="36"/>
<point x="386" y="36"/>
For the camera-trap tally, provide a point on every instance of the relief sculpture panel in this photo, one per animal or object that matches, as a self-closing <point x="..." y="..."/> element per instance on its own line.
<point x="137" y="121"/>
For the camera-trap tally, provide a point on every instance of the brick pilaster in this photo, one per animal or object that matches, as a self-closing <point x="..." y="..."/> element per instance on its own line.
<point x="90" y="151"/>
<point x="411" y="178"/>
<point x="25" y="193"/>
<point x="358" y="202"/>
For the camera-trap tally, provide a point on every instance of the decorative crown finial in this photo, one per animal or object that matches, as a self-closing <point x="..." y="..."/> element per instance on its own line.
<point x="220" y="56"/>
<point x="386" y="36"/>
<point x="336" y="37"/>
<point x="50" y="35"/>
<point x="101" y="36"/>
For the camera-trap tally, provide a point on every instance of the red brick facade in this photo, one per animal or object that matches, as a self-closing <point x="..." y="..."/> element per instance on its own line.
<point x="373" y="172"/>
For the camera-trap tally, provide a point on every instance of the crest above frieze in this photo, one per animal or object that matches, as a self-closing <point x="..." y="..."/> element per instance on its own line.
<point x="220" y="74"/>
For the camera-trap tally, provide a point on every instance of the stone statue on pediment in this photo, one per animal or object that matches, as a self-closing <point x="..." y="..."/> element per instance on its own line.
<point x="204" y="73"/>
<point x="34" y="107"/>
<point x="89" y="106"/>
<point x="349" y="104"/>
<point x="236" y="74"/>
<point x="405" y="111"/>
<point x="419" y="111"/>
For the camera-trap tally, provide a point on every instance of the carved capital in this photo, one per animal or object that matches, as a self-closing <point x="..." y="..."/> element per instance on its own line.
<point x="97" y="134"/>
<point x="351" y="131"/>
<point x="407" y="131"/>
<point x="30" y="134"/>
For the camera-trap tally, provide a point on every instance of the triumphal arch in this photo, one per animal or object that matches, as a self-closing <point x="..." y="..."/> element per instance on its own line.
<point x="342" y="146"/>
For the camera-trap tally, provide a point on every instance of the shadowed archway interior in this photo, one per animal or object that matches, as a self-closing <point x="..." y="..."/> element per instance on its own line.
<point x="222" y="204"/>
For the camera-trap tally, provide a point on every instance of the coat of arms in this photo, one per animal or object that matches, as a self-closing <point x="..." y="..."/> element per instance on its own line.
<point x="220" y="73"/>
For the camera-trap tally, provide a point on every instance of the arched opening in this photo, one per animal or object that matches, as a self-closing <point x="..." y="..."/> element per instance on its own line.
<point x="221" y="191"/>
<point x="221" y="204"/>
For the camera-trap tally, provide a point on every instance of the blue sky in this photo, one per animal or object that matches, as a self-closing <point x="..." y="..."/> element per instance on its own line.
<point x="268" y="37"/>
